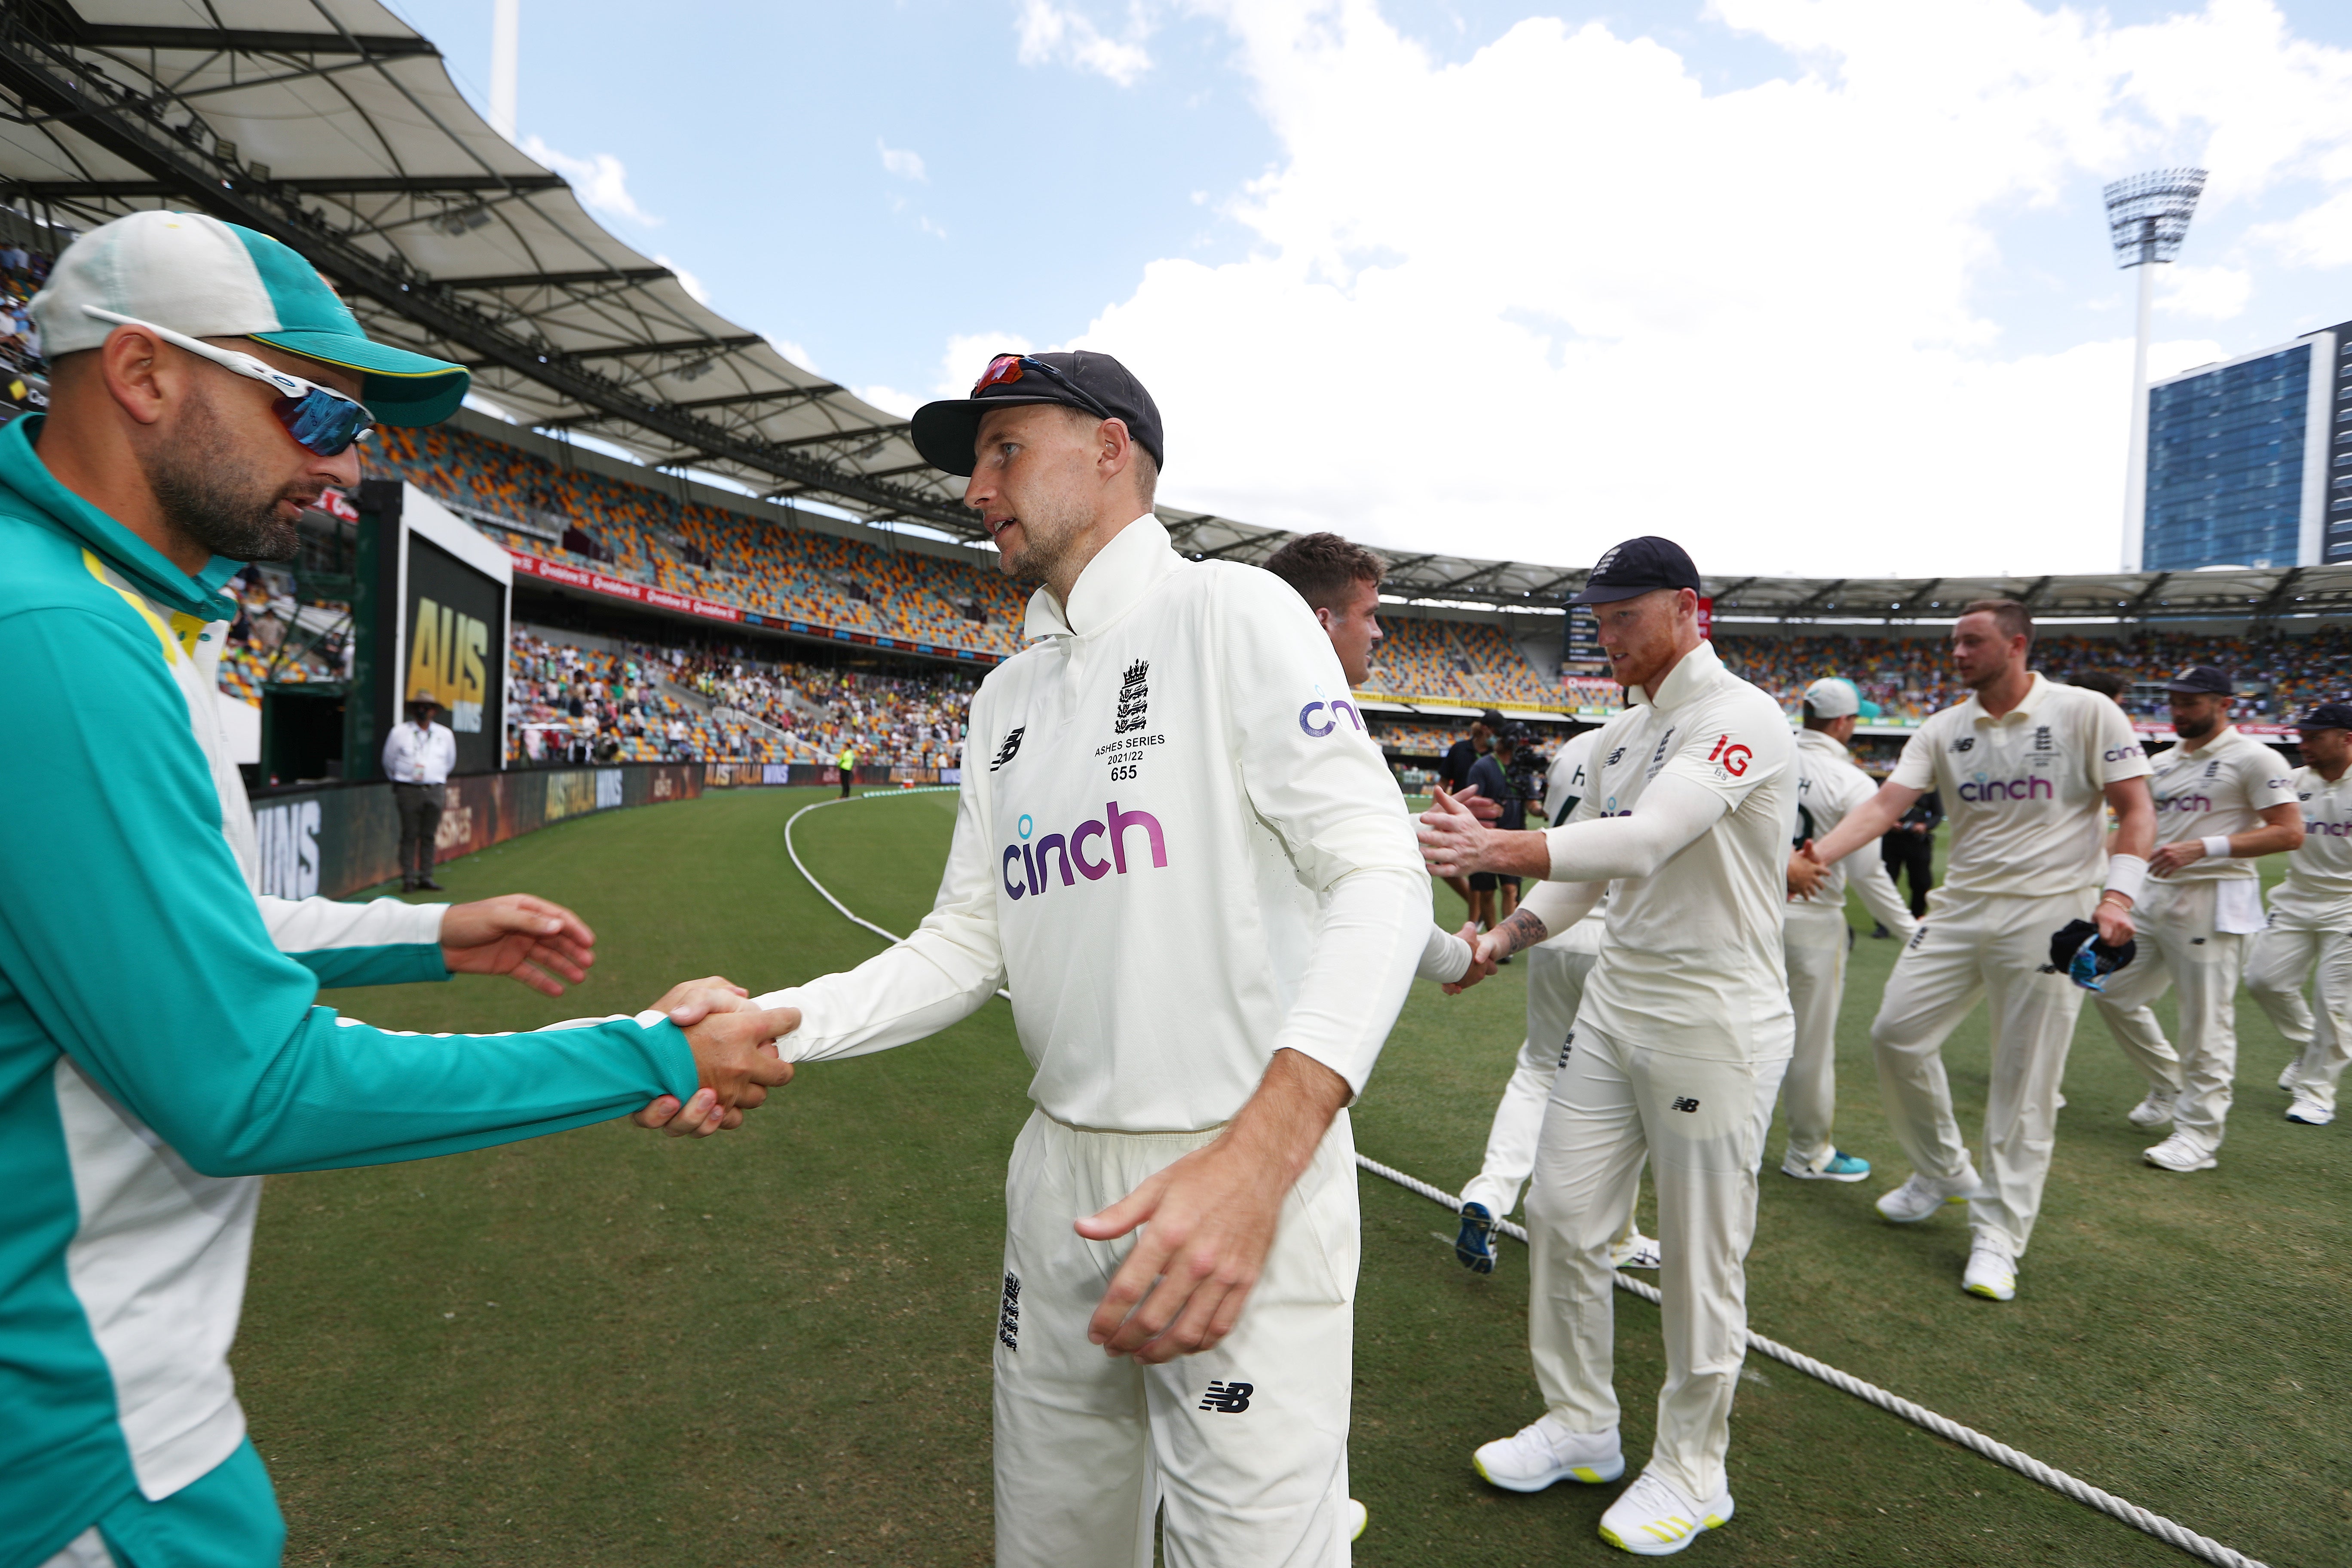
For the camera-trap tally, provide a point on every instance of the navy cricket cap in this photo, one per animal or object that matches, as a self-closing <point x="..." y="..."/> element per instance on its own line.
<point x="2200" y="679"/>
<point x="2327" y="716"/>
<point x="945" y="432"/>
<point x="1636" y="567"/>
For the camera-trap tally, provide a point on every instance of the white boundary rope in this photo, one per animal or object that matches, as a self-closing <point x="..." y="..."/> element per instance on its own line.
<point x="2058" y="1480"/>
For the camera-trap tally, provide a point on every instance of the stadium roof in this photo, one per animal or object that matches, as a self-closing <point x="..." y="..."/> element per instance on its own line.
<point x="334" y="126"/>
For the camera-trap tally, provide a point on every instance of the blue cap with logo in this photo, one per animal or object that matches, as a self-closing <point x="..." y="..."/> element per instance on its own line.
<point x="2327" y="716"/>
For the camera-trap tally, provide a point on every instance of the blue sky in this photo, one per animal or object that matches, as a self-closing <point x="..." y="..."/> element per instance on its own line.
<point x="1819" y="284"/>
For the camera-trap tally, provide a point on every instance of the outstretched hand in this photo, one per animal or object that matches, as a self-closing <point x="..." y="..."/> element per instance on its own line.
<point x="1806" y="874"/>
<point x="1451" y="834"/>
<point x="519" y="935"/>
<point x="720" y="1022"/>
<point x="1483" y="959"/>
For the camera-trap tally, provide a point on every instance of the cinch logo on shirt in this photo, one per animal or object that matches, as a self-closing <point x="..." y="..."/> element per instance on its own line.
<point x="2185" y="802"/>
<point x="1064" y="852"/>
<point x="2120" y="753"/>
<point x="2036" y="788"/>
<point x="1308" y="721"/>
<point x="2330" y="829"/>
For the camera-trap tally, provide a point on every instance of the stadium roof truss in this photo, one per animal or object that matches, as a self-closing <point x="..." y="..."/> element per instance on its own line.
<point x="333" y="126"/>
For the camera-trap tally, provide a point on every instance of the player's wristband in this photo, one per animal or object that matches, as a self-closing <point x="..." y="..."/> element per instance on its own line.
<point x="2126" y="874"/>
<point x="2217" y="847"/>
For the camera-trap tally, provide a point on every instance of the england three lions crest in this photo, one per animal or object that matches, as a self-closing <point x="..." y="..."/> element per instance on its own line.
<point x="1134" y="697"/>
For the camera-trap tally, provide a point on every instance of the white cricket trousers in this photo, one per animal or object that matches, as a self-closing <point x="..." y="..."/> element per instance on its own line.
<point x="1992" y="946"/>
<point x="2178" y="948"/>
<point x="1701" y="1124"/>
<point x="1556" y="970"/>
<point x="1815" y="942"/>
<point x="2301" y="943"/>
<point x="1242" y="1449"/>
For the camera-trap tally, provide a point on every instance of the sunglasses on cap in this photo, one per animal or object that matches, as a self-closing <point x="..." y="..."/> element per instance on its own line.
<point x="1006" y="369"/>
<point x="321" y="420"/>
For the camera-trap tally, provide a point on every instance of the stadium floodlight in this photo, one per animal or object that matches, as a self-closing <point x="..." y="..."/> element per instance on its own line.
<point x="2147" y="217"/>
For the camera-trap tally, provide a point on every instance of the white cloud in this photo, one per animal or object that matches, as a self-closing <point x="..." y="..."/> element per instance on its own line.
<point x="1560" y="293"/>
<point x="2320" y="236"/>
<point x="968" y="355"/>
<point x="792" y="351"/>
<point x="898" y="161"/>
<point x="891" y="400"/>
<point x="2216" y="293"/>
<point x="601" y="181"/>
<point x="1055" y="35"/>
<point x="686" y="281"/>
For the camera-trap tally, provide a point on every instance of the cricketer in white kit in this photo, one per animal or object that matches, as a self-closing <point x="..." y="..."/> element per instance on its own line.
<point x="1180" y="846"/>
<point x="1830" y="783"/>
<point x="2310" y="932"/>
<point x="1679" y="1045"/>
<point x="2027" y="769"/>
<point x="2222" y="800"/>
<point x="1558" y="967"/>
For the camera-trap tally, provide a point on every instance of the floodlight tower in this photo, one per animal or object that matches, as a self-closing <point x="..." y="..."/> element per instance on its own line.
<point x="2147" y="217"/>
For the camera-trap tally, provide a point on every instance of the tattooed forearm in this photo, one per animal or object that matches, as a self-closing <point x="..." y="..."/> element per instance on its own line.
<point x="1523" y="930"/>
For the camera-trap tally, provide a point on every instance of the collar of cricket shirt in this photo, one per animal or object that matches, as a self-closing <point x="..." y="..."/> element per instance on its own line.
<point x="1691" y="671"/>
<point x="2035" y="685"/>
<point x="1137" y="556"/>
<point x="143" y="566"/>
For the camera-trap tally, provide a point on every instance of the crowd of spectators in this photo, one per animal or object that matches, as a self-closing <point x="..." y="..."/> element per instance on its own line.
<point x="23" y="373"/>
<point x="1910" y="677"/>
<point x="270" y="638"/>
<point x="1454" y="661"/>
<point x="653" y="536"/>
<point x="569" y="703"/>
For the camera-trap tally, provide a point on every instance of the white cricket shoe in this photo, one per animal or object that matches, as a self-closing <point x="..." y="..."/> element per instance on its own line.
<point x="1354" y="1518"/>
<point x="1634" y="1250"/>
<point x="1920" y="1195"/>
<point x="1651" y="1519"/>
<point x="2309" y="1111"/>
<point x="1534" y="1457"/>
<point x="2153" y="1111"/>
<point x="2180" y="1152"/>
<point x="1991" y="1271"/>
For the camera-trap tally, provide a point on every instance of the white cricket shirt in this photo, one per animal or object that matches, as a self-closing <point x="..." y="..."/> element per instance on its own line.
<point x="1830" y="785"/>
<point x="1183" y="852"/>
<point x="2026" y="793"/>
<point x="2320" y="873"/>
<point x="1691" y="961"/>
<point x="2222" y="786"/>
<point x="419" y="755"/>
<point x="1565" y="784"/>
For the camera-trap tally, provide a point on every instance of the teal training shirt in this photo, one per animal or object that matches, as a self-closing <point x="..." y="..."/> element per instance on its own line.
<point x="160" y="1045"/>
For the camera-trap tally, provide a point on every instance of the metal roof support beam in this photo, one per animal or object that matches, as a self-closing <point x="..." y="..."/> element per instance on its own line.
<point x="892" y="428"/>
<point x="674" y="346"/>
<point x="244" y="40"/>
<point x="561" y="279"/>
<point x="355" y="185"/>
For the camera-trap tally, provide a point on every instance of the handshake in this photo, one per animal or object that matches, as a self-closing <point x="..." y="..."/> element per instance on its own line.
<point x="543" y="944"/>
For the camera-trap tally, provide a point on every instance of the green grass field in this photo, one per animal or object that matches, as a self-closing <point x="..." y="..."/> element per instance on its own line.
<point x="613" y="1348"/>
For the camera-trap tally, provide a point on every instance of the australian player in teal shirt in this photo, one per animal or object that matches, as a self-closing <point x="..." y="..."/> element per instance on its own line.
<point x="160" y="1042"/>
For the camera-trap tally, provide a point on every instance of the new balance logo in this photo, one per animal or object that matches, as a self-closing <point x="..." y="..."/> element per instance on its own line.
<point x="1008" y="1319"/>
<point x="1228" y="1398"/>
<point x="1566" y="1047"/>
<point x="1686" y="1103"/>
<point x="1010" y="750"/>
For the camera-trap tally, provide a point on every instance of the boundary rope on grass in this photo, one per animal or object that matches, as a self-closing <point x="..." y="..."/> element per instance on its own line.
<point x="2026" y="1465"/>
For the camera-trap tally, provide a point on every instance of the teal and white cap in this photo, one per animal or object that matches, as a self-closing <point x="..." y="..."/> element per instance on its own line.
<point x="1835" y="698"/>
<point x="207" y="279"/>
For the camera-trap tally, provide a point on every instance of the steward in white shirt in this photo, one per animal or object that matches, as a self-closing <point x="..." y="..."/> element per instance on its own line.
<point x="1829" y="785"/>
<point x="2222" y="800"/>
<point x="418" y="757"/>
<point x="1679" y="1049"/>
<point x="1189" y="861"/>
<point x="2311" y="923"/>
<point x="2027" y="769"/>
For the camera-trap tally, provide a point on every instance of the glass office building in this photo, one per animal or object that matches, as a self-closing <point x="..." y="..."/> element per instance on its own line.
<point x="2250" y="461"/>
